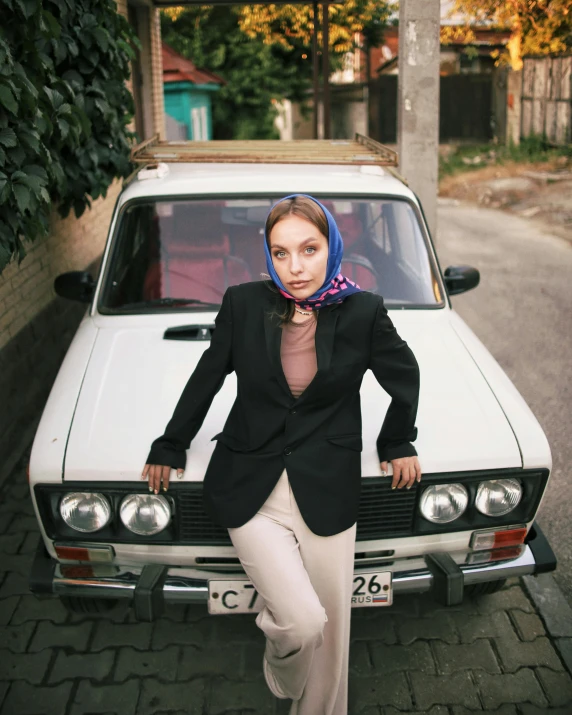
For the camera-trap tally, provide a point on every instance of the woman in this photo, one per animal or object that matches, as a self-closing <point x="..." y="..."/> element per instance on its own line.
<point x="285" y="475"/>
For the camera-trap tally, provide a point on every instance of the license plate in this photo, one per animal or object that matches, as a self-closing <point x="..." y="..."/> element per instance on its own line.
<point x="239" y="595"/>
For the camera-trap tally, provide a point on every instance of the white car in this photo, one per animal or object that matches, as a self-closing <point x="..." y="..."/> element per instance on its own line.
<point x="181" y="233"/>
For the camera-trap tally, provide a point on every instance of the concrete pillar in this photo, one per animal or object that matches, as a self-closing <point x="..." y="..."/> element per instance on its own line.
<point x="418" y="101"/>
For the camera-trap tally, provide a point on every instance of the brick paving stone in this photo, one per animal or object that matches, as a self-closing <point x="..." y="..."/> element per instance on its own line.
<point x="564" y="648"/>
<point x="49" y="635"/>
<point x="478" y="654"/>
<point x="24" y="521"/>
<point x="406" y="605"/>
<point x="379" y="689"/>
<point x="161" y="664"/>
<point x="16" y="638"/>
<point x="436" y="710"/>
<point x="557" y="686"/>
<point x="234" y="696"/>
<point x="455" y="689"/>
<point x="528" y="625"/>
<point x="555" y="610"/>
<point x="3" y="690"/>
<point x="109" y="635"/>
<point x="11" y="543"/>
<point x="31" y="667"/>
<point x="521" y="687"/>
<point x="30" y="544"/>
<point x="372" y="710"/>
<point x="25" y="699"/>
<point x="393" y="658"/>
<point x="518" y="654"/>
<point x="96" y="667"/>
<point x="527" y="709"/>
<point x="503" y="710"/>
<point x="14" y="585"/>
<point x="178" y="612"/>
<point x="494" y="625"/>
<point x="441" y="626"/>
<point x="233" y="661"/>
<point x="157" y="697"/>
<point x="381" y="628"/>
<point x="360" y="663"/>
<point x="92" y="698"/>
<point x="168" y="633"/>
<point x="504" y="600"/>
<point x="31" y="608"/>
<point x="7" y="608"/>
<point x="240" y="628"/>
<point x="16" y="563"/>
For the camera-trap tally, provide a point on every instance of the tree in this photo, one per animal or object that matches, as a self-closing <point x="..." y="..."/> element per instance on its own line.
<point x="538" y="27"/>
<point x="263" y="53"/>
<point x="255" y="73"/>
<point x="286" y="24"/>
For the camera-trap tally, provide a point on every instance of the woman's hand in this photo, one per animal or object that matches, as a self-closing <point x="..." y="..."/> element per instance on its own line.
<point x="158" y="473"/>
<point x="405" y="471"/>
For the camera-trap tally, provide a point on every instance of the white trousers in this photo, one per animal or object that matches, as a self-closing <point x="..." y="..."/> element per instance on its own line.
<point x="306" y="583"/>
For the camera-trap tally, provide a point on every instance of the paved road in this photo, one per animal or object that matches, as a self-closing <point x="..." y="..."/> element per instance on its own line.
<point x="522" y="311"/>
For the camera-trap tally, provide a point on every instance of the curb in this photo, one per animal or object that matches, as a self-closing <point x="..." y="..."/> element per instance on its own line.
<point x="555" y="612"/>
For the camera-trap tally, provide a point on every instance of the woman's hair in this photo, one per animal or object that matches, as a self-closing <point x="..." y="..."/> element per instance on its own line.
<point x="310" y="211"/>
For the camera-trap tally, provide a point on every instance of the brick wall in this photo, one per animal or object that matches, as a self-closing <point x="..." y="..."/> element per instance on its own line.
<point x="36" y="326"/>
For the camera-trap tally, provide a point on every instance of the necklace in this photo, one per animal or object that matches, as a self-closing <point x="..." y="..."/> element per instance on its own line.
<point x="303" y="312"/>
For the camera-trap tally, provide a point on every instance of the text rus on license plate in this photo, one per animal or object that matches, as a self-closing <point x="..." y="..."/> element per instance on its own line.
<point x="239" y="596"/>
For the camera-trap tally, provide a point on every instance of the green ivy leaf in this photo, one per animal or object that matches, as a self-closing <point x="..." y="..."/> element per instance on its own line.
<point x="8" y="138"/>
<point x="7" y="99"/>
<point x="22" y="194"/>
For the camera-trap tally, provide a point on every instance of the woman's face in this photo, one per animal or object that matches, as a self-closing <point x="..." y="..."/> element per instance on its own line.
<point x="300" y="255"/>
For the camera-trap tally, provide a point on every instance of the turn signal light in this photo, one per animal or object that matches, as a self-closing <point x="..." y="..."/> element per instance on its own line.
<point x="97" y="554"/>
<point x="498" y="539"/>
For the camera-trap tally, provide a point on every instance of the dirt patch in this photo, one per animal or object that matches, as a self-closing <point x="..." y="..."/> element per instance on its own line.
<point x="540" y="192"/>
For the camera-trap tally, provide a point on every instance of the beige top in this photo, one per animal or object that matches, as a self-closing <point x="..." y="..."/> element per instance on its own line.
<point x="298" y="354"/>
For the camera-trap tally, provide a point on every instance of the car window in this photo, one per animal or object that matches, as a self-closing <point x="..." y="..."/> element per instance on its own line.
<point x="180" y="254"/>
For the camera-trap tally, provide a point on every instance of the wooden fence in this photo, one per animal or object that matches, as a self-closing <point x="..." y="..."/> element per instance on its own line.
<point x="547" y="98"/>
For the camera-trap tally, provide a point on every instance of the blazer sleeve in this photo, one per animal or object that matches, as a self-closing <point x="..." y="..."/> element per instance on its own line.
<point x="199" y="392"/>
<point x="397" y="371"/>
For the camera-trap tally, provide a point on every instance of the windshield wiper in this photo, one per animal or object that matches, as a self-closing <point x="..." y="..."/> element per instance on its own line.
<point x="166" y="302"/>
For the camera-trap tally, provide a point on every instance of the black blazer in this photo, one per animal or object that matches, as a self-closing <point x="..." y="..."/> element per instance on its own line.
<point x="317" y="436"/>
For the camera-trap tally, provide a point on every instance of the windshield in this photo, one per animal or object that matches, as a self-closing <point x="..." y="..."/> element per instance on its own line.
<point x="181" y="255"/>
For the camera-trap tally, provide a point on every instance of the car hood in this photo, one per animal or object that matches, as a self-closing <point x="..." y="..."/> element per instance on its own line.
<point x="135" y="377"/>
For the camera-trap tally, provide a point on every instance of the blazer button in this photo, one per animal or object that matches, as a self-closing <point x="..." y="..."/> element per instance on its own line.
<point x="292" y="412"/>
<point x="287" y="451"/>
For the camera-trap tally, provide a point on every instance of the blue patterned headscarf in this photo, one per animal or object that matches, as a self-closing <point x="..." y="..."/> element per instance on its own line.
<point x="336" y="287"/>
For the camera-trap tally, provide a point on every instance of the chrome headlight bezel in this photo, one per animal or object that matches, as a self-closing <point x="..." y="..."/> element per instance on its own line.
<point x="100" y="502"/>
<point x="507" y="484"/>
<point x="453" y="493"/>
<point x="137" y="503"/>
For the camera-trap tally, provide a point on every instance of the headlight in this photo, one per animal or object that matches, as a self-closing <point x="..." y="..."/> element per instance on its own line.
<point x="84" y="511"/>
<point x="145" y="514"/>
<point x="496" y="497"/>
<point x="442" y="503"/>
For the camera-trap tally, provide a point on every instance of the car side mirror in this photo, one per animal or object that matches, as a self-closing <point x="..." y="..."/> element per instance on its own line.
<point x="459" y="279"/>
<point x="75" y="285"/>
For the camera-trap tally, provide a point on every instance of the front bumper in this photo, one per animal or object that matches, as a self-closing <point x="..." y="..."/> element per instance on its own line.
<point x="149" y="587"/>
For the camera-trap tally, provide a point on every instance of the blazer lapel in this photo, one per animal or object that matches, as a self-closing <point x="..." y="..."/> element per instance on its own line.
<point x="325" y="333"/>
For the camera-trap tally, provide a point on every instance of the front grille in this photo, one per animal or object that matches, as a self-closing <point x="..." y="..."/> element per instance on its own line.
<point x="383" y="512"/>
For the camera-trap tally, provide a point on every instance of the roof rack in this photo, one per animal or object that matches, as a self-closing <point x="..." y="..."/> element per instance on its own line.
<point x="360" y="150"/>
